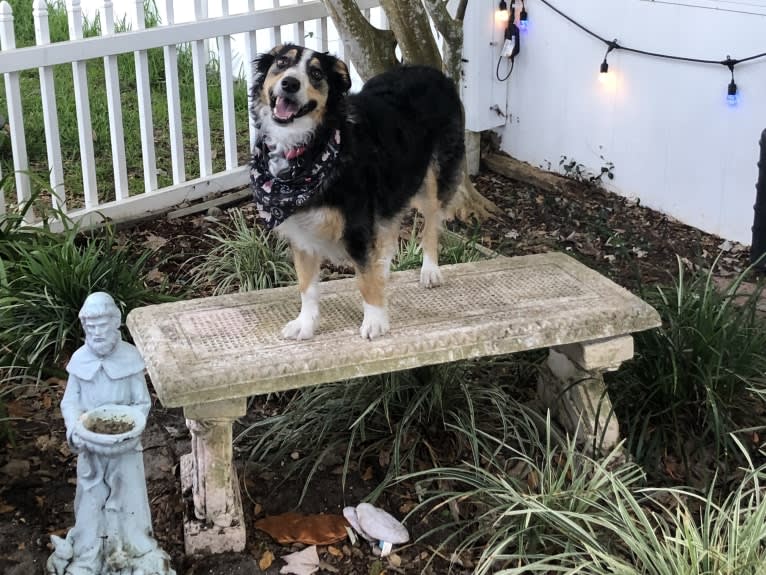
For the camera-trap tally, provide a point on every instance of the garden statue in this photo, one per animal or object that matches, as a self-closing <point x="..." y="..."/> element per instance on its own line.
<point x="105" y="405"/>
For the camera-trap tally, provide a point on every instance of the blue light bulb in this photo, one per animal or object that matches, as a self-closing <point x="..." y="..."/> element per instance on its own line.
<point x="731" y="94"/>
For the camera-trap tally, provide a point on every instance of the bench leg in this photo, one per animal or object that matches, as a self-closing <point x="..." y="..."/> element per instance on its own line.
<point x="208" y="472"/>
<point x="572" y="387"/>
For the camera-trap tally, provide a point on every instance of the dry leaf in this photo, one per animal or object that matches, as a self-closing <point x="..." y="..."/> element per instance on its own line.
<point x="155" y="276"/>
<point x="303" y="562"/>
<point x="257" y="509"/>
<point x="5" y="508"/>
<point x="154" y="242"/>
<point x="322" y="529"/>
<point x="334" y="551"/>
<point x="266" y="560"/>
<point x="395" y="560"/>
<point x="368" y="473"/>
<point x="16" y="468"/>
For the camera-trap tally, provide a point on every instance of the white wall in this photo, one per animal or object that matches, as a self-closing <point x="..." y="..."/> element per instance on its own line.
<point x="674" y="142"/>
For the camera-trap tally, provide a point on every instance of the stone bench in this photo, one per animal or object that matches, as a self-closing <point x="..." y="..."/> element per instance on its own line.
<point x="208" y="355"/>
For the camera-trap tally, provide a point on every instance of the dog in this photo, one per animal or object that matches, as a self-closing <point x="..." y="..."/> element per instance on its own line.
<point x="334" y="173"/>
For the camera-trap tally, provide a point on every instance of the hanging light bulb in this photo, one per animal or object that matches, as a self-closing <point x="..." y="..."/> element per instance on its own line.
<point x="501" y="14"/>
<point x="732" y="97"/>
<point x="605" y="65"/>
<point x="523" y="17"/>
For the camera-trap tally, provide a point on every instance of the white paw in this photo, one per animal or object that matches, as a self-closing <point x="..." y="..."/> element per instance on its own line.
<point x="375" y="322"/>
<point x="430" y="276"/>
<point x="302" y="327"/>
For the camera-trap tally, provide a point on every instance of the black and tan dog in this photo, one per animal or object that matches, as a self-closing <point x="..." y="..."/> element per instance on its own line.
<point x="334" y="173"/>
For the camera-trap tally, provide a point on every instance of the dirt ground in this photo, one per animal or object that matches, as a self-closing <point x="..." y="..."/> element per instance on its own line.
<point x="627" y="242"/>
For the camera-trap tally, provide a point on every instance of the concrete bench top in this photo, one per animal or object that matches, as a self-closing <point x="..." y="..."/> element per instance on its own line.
<point x="225" y="347"/>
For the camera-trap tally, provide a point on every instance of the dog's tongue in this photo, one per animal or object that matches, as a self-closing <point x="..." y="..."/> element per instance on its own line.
<point x="285" y="109"/>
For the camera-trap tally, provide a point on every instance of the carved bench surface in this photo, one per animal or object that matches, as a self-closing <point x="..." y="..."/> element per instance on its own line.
<point x="223" y="347"/>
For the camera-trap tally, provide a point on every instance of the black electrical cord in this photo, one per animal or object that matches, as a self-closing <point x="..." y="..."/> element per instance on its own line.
<point x="728" y="62"/>
<point x="497" y="69"/>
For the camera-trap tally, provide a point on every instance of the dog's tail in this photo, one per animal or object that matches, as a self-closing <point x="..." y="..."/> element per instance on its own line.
<point x="449" y="151"/>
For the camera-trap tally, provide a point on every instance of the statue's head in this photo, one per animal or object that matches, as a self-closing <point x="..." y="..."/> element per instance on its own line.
<point x="101" y="319"/>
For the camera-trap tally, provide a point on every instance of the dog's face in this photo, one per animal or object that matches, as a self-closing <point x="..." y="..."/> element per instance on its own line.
<point x="295" y="87"/>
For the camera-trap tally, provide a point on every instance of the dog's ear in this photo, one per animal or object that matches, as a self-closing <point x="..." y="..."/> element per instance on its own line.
<point x="263" y="62"/>
<point x="339" y="76"/>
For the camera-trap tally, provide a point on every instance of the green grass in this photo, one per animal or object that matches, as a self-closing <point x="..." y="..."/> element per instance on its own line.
<point x="33" y="119"/>
<point x="542" y="506"/>
<point x="244" y="257"/>
<point x="699" y="377"/>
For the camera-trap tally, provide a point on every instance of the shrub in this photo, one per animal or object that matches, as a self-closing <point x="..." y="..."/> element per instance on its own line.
<point x="547" y="508"/>
<point x="699" y="375"/>
<point x="243" y="257"/>
<point x="44" y="279"/>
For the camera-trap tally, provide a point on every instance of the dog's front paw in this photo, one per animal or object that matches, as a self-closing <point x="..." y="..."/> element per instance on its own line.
<point x="375" y="322"/>
<point x="302" y="327"/>
<point x="430" y="276"/>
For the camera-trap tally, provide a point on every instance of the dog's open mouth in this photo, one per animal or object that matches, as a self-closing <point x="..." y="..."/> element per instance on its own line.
<point x="285" y="110"/>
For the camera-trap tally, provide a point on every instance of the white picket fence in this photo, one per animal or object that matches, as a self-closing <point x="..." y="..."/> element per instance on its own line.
<point x="168" y="36"/>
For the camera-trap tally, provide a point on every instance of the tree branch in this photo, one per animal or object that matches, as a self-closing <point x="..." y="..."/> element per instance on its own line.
<point x="410" y="25"/>
<point x="452" y="31"/>
<point x="371" y="50"/>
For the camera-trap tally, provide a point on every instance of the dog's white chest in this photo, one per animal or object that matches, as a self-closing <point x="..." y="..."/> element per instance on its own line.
<point x="317" y="231"/>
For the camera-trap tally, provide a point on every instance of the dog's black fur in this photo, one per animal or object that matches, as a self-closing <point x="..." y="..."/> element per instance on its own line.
<point x="403" y="127"/>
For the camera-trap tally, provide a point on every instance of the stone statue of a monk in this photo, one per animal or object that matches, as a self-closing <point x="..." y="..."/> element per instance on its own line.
<point x="113" y="526"/>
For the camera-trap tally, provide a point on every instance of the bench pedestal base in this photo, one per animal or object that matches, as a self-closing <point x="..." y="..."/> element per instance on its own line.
<point x="205" y="538"/>
<point x="572" y="387"/>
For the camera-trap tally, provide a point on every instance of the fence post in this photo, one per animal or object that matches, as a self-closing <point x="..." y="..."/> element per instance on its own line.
<point x="146" y="124"/>
<point x="227" y="95"/>
<point x="114" y="105"/>
<point x="758" y="247"/>
<point x="15" y="116"/>
<point x="250" y="53"/>
<point x="50" y="114"/>
<point x="174" y="104"/>
<point x="82" y="106"/>
<point x="199" y="68"/>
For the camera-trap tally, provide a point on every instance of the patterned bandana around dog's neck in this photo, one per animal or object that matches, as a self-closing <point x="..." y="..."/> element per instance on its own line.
<point x="277" y="197"/>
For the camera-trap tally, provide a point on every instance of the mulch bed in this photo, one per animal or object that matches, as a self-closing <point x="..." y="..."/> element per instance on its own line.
<point x="627" y="242"/>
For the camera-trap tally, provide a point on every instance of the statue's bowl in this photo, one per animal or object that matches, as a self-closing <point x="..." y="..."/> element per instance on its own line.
<point x="110" y="429"/>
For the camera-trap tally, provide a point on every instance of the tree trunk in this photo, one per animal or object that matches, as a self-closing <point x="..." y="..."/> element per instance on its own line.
<point x="373" y="51"/>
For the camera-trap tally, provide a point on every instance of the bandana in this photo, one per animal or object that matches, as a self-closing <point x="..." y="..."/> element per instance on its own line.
<point x="278" y="197"/>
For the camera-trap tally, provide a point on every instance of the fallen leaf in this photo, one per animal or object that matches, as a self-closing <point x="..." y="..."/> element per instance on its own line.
<point x="321" y="529"/>
<point x="5" y="508"/>
<point x="376" y="568"/>
<point x="303" y="562"/>
<point x="257" y="509"/>
<point x="16" y="468"/>
<point x="266" y="560"/>
<point x="368" y="473"/>
<point x="395" y="560"/>
<point x="154" y="242"/>
<point x="155" y="276"/>
<point x="334" y="551"/>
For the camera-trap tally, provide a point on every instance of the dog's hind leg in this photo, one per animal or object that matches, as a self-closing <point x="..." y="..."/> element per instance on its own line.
<point x="429" y="205"/>
<point x="307" y="267"/>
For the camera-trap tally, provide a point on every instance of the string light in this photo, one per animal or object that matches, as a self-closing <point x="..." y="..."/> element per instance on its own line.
<point x="523" y="17"/>
<point x="732" y="95"/>
<point x="732" y="98"/>
<point x="501" y="14"/>
<point x="605" y="65"/>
